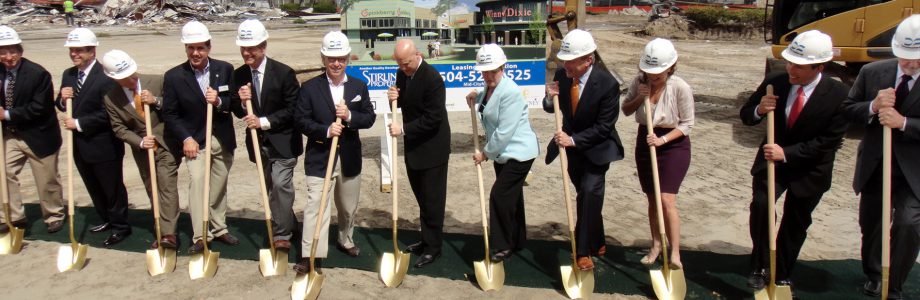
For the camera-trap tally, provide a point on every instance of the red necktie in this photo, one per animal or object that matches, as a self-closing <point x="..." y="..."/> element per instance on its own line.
<point x="796" y="108"/>
<point x="574" y="95"/>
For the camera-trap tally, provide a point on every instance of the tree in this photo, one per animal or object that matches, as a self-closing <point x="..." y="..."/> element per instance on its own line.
<point x="443" y="6"/>
<point x="537" y="27"/>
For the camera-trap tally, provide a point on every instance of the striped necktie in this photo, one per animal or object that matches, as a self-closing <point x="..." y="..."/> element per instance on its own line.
<point x="76" y="90"/>
<point x="10" y="85"/>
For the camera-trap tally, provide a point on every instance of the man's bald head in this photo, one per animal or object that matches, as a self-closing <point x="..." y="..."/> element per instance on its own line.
<point x="406" y="56"/>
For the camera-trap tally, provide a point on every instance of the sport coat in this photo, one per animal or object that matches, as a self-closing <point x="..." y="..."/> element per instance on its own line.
<point x="184" y="107"/>
<point x="905" y="144"/>
<point x="96" y="143"/>
<point x="592" y="125"/>
<point x="810" y="146"/>
<point x="32" y="117"/>
<point x="127" y="124"/>
<point x="424" y="117"/>
<point x="315" y="111"/>
<point x="276" y="103"/>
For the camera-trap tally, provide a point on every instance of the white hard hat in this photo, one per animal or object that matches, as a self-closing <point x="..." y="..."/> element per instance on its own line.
<point x="335" y="44"/>
<point x="118" y="65"/>
<point x="8" y="36"/>
<point x="195" y="32"/>
<point x="489" y="58"/>
<point x="251" y="33"/>
<point x="810" y="47"/>
<point x="575" y="44"/>
<point x="81" y="37"/>
<point x="906" y="41"/>
<point x="658" y="56"/>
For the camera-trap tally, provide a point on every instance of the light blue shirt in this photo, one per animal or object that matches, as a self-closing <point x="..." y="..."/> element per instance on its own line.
<point x="506" y="120"/>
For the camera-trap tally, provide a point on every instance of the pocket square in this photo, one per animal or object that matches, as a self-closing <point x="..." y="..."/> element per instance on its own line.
<point x="356" y="99"/>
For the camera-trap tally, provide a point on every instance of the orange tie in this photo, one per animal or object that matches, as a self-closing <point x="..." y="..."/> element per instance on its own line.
<point x="138" y="105"/>
<point x="574" y="94"/>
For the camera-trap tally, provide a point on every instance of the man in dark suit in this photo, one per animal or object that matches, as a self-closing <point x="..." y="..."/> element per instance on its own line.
<point x="809" y="129"/>
<point x="187" y="91"/>
<point x="324" y="98"/>
<point x="30" y="132"/>
<point x="885" y="94"/>
<point x="122" y="103"/>
<point x="98" y="154"/>
<point x="419" y="91"/>
<point x="271" y="88"/>
<point x="589" y="98"/>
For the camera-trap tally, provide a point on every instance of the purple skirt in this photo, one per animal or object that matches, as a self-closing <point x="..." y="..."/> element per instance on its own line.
<point x="673" y="161"/>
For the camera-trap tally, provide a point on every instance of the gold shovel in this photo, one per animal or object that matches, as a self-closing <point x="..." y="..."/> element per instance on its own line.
<point x="772" y="291"/>
<point x="667" y="283"/>
<point x="578" y="284"/>
<point x="10" y="242"/>
<point x="308" y="286"/>
<point x="160" y="260"/>
<point x="204" y="264"/>
<point x="271" y="261"/>
<point x="73" y="256"/>
<point x="489" y="275"/>
<point x="393" y="266"/>
<point x="886" y="208"/>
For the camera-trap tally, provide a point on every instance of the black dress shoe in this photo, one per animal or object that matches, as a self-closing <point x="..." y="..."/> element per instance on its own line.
<point x="228" y="239"/>
<point x="18" y="224"/>
<point x="757" y="280"/>
<point x="416" y="248"/>
<point x="55" y="226"/>
<point x="502" y="255"/>
<point x="100" y="228"/>
<point x="116" y="238"/>
<point x="426" y="259"/>
<point x="872" y="288"/>
<point x="197" y="247"/>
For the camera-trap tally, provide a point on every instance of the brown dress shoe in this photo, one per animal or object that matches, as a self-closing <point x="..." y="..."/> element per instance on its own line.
<point x="353" y="251"/>
<point x="585" y="263"/>
<point x="196" y="248"/>
<point x="601" y="251"/>
<point x="303" y="265"/>
<point x="283" y="245"/>
<point x="228" y="239"/>
<point x="169" y="241"/>
<point x="55" y="226"/>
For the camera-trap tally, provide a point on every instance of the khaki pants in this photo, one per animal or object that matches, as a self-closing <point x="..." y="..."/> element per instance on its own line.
<point x="221" y="161"/>
<point x="347" y="192"/>
<point x="47" y="180"/>
<point x="167" y="169"/>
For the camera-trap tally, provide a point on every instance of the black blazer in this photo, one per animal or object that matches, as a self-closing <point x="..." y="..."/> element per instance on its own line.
<point x="424" y="117"/>
<point x="905" y="145"/>
<point x="184" y="107"/>
<point x="314" y="113"/>
<point x="811" y="144"/>
<point x="592" y="126"/>
<point x="278" y="94"/>
<point x="96" y="143"/>
<point x="33" y="117"/>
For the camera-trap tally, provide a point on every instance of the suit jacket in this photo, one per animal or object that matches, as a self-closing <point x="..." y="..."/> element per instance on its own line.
<point x="96" y="143"/>
<point x="184" y="107"/>
<point x="33" y="117"/>
<point x="128" y="125"/>
<point x="905" y="145"/>
<point x="810" y="146"/>
<point x="424" y="117"/>
<point x="315" y="111"/>
<point x="506" y="120"/>
<point x="278" y="95"/>
<point x="592" y="125"/>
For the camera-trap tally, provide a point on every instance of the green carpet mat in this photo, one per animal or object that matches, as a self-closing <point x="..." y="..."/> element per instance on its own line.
<point x="709" y="275"/>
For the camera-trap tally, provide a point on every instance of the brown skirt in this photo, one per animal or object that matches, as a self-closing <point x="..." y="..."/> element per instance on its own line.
<point x="673" y="161"/>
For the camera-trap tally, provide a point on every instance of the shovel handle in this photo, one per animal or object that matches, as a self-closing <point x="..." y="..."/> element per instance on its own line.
<point x="330" y="164"/>
<point x="482" y="195"/>
<point x="206" y="191"/>
<point x="393" y="166"/>
<point x="886" y="208"/>
<point x="3" y="184"/>
<point x="771" y="192"/>
<point x="653" y="155"/>
<point x="564" y="166"/>
<point x="69" y="111"/>
<point x="257" y="149"/>
<point x="151" y="161"/>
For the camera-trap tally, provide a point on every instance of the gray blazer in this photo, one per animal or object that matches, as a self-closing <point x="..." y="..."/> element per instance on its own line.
<point x="126" y="123"/>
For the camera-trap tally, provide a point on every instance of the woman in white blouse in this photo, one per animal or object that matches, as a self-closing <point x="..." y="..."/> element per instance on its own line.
<point x="672" y="113"/>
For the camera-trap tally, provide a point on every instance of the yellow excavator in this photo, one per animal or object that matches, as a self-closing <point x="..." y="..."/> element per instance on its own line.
<point x="860" y="29"/>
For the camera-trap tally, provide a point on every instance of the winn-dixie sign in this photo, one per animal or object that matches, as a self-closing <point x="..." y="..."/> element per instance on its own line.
<point x="460" y="75"/>
<point x="509" y="12"/>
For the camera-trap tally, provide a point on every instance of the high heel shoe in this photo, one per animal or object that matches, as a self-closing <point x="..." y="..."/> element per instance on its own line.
<point x="648" y="259"/>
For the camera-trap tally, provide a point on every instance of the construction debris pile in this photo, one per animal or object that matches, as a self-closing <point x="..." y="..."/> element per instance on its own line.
<point x="134" y="12"/>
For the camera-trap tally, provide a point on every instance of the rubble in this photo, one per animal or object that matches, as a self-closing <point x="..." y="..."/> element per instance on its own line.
<point x="134" y="12"/>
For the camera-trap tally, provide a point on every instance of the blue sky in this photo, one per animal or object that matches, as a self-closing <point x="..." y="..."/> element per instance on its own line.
<point x="468" y="5"/>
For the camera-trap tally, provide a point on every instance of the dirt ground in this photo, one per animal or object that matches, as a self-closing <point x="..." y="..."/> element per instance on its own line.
<point x="713" y="201"/>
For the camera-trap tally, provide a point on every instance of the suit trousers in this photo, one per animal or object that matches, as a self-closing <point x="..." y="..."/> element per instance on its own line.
<point x="279" y="179"/>
<point x="905" y="229"/>
<point x="589" y="180"/>
<point x="506" y="205"/>
<point x="347" y="191"/>
<point x="221" y="161"/>
<point x="45" y="173"/>
<point x="430" y="189"/>
<point x="792" y="229"/>
<point x="167" y="168"/>
<point x="104" y="182"/>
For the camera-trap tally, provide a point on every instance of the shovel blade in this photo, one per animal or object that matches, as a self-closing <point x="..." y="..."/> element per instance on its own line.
<point x="490" y="276"/>
<point x="11" y="242"/>
<point x="670" y="286"/>
<point x="161" y="261"/>
<point x="774" y="292"/>
<point x="272" y="265"/>
<point x="203" y="264"/>
<point x="578" y="284"/>
<point x="393" y="267"/>
<point x="307" y="286"/>
<point x="71" y="257"/>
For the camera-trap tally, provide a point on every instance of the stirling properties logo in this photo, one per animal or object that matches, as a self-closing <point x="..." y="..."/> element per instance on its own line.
<point x="797" y="48"/>
<point x="73" y="37"/>
<point x="6" y="35"/>
<point x="911" y="42"/>
<point x="245" y="34"/>
<point x="334" y="45"/>
<point x="485" y="59"/>
<point x="121" y="66"/>
<point x="650" y="60"/>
